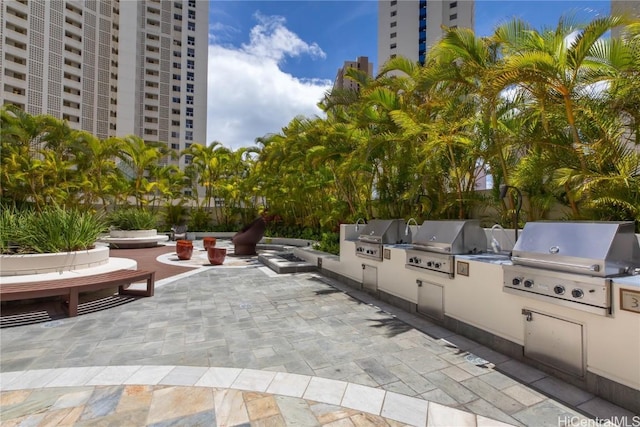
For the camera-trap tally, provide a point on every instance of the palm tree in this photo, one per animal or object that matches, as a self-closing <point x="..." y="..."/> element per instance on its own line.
<point x="138" y="157"/>
<point x="559" y="64"/>
<point x="95" y="161"/>
<point x="207" y="164"/>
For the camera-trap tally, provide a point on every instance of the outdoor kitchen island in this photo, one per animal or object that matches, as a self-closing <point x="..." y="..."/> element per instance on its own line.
<point x="597" y="349"/>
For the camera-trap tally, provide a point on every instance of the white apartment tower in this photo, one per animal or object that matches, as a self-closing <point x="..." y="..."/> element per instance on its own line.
<point x="59" y="58"/>
<point x="409" y="27"/>
<point x="109" y="67"/>
<point x="162" y="71"/>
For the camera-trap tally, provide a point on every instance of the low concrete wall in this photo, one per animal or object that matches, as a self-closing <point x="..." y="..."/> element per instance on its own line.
<point x="198" y="235"/>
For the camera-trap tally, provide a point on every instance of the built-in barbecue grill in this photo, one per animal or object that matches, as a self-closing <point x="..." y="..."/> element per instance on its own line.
<point x="379" y="232"/>
<point x="572" y="263"/>
<point x="436" y="243"/>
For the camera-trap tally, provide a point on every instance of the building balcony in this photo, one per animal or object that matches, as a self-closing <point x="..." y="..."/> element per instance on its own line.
<point x="152" y="102"/>
<point x="15" y="32"/>
<point x="15" y="66"/>
<point x="72" y="54"/>
<point x="14" y="82"/>
<point x="71" y="93"/>
<point x="70" y="111"/>
<point x="73" y="43"/>
<point x="20" y="7"/>
<point x="16" y="48"/>
<point x="73" y="84"/>
<point x="14" y="92"/>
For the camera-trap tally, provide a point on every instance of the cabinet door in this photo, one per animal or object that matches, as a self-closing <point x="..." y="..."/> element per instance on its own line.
<point x="369" y="278"/>
<point x="430" y="299"/>
<point x="554" y="342"/>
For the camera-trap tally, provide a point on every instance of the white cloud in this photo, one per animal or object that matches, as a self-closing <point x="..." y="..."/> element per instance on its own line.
<point x="248" y="95"/>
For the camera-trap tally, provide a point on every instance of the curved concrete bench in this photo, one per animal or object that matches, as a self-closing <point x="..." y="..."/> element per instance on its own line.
<point x="72" y="287"/>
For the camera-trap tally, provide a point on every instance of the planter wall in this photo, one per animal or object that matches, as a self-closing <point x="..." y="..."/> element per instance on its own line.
<point x="18" y="265"/>
<point x="132" y="234"/>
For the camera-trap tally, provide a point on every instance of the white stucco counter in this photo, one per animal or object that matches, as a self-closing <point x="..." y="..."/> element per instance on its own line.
<point x="601" y="352"/>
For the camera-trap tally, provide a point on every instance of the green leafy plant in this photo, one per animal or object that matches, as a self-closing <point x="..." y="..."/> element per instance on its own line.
<point x="175" y="215"/>
<point x="55" y="229"/>
<point x="132" y="219"/>
<point x="329" y="242"/>
<point x="200" y="220"/>
<point x="8" y="228"/>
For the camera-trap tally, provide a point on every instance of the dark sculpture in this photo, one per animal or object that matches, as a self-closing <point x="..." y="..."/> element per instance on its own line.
<point x="178" y="232"/>
<point x="245" y="240"/>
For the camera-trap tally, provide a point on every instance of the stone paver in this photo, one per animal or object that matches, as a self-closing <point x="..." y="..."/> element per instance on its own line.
<point x="260" y="333"/>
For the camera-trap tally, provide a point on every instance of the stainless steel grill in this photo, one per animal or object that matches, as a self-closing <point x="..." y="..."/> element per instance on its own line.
<point x="572" y="263"/>
<point x="379" y="232"/>
<point x="437" y="242"/>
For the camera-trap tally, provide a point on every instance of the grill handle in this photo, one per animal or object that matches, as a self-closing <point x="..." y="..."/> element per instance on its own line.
<point x="593" y="267"/>
<point x="432" y="248"/>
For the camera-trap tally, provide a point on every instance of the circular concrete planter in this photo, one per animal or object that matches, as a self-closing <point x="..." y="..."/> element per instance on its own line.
<point x="130" y="239"/>
<point x="18" y="264"/>
<point x="132" y="234"/>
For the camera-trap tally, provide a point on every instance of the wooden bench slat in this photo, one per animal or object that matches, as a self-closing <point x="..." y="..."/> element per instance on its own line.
<point x="71" y="287"/>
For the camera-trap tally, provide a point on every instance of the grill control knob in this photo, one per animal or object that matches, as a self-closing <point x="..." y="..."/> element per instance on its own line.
<point x="528" y="283"/>
<point x="558" y="289"/>
<point x="577" y="293"/>
<point x="429" y="264"/>
<point x="516" y="281"/>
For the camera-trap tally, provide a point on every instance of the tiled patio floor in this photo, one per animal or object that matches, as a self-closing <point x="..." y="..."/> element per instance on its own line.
<point x="241" y="345"/>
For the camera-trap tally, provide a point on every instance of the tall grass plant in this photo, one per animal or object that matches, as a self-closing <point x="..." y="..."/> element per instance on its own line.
<point x="55" y="229"/>
<point x="132" y="219"/>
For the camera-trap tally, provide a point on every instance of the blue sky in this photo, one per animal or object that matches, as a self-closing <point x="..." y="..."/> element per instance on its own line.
<point x="272" y="60"/>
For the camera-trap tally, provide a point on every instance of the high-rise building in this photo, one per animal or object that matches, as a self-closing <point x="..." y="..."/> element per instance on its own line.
<point x="362" y="64"/>
<point x="110" y="67"/>
<point x="409" y="27"/>
<point x="162" y="71"/>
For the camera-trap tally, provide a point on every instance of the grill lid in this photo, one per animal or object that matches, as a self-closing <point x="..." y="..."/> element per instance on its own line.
<point x="601" y="249"/>
<point x="385" y="231"/>
<point x="453" y="237"/>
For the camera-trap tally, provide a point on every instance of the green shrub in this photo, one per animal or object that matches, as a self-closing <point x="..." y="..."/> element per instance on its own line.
<point x="329" y="242"/>
<point x="175" y="215"/>
<point x="200" y="220"/>
<point x="56" y="230"/>
<point x="132" y="219"/>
